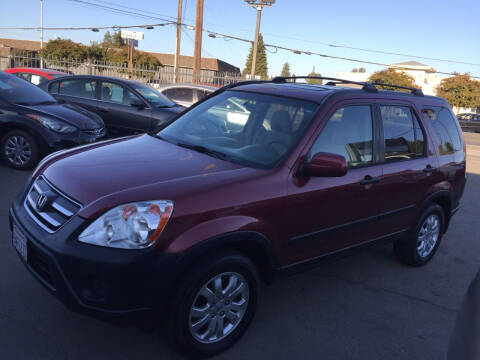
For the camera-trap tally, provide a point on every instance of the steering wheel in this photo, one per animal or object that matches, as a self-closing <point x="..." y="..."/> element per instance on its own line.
<point x="283" y="145"/>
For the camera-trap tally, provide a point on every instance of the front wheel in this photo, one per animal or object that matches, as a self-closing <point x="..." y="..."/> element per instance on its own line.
<point x="215" y="304"/>
<point x="19" y="150"/>
<point x="422" y="242"/>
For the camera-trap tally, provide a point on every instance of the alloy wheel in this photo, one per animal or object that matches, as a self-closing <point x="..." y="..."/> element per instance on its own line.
<point x="428" y="235"/>
<point x="18" y="150"/>
<point x="219" y="307"/>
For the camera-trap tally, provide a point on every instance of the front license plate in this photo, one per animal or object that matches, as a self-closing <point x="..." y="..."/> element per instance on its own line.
<point x="19" y="242"/>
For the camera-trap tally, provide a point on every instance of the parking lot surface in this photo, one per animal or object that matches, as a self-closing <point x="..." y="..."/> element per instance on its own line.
<point x="367" y="306"/>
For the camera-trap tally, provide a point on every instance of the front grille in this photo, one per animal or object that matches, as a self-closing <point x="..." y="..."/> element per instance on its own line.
<point x="96" y="132"/>
<point x="49" y="207"/>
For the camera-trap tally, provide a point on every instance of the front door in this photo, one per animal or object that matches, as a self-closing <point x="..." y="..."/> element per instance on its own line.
<point x="120" y="116"/>
<point x="325" y="214"/>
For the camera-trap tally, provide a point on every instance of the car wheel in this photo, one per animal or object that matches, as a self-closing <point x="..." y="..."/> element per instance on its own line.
<point x="19" y="150"/>
<point x="422" y="242"/>
<point x="215" y="304"/>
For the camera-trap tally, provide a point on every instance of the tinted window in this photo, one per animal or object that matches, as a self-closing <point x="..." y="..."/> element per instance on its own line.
<point x="116" y="93"/>
<point x="19" y="91"/>
<point x="180" y="94"/>
<point x="202" y="93"/>
<point x="348" y="133"/>
<point x="24" y="76"/>
<point x="250" y="143"/>
<point x="153" y="97"/>
<point x="402" y="133"/>
<point x="446" y="129"/>
<point x="84" y="88"/>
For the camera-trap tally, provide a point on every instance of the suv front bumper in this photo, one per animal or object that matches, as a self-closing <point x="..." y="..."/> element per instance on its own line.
<point x="92" y="279"/>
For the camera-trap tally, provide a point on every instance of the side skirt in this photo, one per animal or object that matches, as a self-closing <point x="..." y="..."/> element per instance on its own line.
<point x="341" y="253"/>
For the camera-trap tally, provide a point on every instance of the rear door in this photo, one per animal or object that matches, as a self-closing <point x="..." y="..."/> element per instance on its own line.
<point x="409" y="165"/>
<point x="116" y="109"/>
<point x="80" y="91"/>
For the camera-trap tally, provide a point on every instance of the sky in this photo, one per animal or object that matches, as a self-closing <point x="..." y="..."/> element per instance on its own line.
<point x="443" y="29"/>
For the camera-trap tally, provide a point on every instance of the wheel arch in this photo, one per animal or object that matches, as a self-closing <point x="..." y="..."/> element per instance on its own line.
<point x="255" y="245"/>
<point x="444" y="199"/>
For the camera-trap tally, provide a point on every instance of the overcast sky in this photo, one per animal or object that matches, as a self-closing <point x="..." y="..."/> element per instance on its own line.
<point x="432" y="28"/>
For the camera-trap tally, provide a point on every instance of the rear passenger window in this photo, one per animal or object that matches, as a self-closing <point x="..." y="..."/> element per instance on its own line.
<point x="446" y="129"/>
<point x="83" y="88"/>
<point x="348" y="133"/>
<point x="403" y="135"/>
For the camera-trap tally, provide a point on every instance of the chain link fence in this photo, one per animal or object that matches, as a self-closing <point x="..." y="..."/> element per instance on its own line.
<point x="154" y="77"/>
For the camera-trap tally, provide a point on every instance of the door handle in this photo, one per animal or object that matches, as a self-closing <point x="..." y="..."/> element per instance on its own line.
<point x="429" y="169"/>
<point x="369" y="180"/>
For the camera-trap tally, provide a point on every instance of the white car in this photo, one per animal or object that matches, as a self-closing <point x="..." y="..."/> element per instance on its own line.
<point x="186" y="94"/>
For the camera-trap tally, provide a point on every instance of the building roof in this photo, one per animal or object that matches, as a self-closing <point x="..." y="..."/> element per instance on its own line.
<point x="411" y="65"/>
<point x="187" y="62"/>
<point x="20" y="44"/>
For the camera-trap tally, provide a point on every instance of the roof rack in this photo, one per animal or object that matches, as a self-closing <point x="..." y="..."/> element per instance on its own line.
<point x="414" y="91"/>
<point x="367" y="86"/>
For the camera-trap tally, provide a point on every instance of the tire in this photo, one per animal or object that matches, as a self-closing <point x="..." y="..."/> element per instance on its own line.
<point x="410" y="250"/>
<point x="24" y="142"/>
<point x="223" y="265"/>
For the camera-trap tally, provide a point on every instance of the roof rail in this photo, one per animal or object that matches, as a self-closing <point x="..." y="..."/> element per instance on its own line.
<point x="367" y="86"/>
<point x="414" y="91"/>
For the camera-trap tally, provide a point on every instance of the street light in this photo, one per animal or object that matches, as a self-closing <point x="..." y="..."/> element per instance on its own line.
<point x="259" y="5"/>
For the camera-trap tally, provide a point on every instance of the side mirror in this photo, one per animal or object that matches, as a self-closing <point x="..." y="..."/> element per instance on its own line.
<point x="326" y="165"/>
<point x="138" y="104"/>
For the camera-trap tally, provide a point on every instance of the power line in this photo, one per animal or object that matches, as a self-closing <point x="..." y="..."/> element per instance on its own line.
<point x="113" y="27"/>
<point x="333" y="45"/>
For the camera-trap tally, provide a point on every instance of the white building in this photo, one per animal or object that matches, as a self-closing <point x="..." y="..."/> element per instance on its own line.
<point x="421" y="73"/>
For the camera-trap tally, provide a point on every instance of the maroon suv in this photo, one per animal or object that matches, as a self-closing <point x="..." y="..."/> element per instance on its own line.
<point x="259" y="179"/>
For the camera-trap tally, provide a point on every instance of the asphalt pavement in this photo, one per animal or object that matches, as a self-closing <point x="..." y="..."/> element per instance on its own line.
<point x="367" y="306"/>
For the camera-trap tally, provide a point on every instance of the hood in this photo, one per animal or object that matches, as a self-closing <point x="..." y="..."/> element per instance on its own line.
<point x="71" y="114"/>
<point x="134" y="169"/>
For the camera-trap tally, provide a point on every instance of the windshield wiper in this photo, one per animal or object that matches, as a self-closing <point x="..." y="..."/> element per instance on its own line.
<point x="204" y="150"/>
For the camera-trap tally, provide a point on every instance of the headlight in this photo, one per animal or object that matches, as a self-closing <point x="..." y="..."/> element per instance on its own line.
<point x="130" y="226"/>
<point x="52" y="124"/>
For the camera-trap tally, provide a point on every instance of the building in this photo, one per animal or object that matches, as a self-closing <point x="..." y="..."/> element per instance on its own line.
<point x="424" y="75"/>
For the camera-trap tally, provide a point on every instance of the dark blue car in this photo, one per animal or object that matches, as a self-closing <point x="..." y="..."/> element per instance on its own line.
<point x="33" y="123"/>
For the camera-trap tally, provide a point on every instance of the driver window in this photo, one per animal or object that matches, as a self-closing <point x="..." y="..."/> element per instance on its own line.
<point x="116" y="93"/>
<point x="349" y="133"/>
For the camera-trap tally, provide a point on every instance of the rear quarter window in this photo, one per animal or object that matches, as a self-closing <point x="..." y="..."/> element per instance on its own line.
<point x="446" y="128"/>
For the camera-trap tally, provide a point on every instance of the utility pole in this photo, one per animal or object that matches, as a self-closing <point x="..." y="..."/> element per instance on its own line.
<point x="197" y="54"/>
<point x="130" y="57"/>
<point x="41" y="31"/>
<point x="259" y="5"/>
<point x="177" y="45"/>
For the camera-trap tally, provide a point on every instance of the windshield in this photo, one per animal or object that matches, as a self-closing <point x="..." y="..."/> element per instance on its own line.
<point x="19" y="91"/>
<point x="246" y="128"/>
<point x="153" y="97"/>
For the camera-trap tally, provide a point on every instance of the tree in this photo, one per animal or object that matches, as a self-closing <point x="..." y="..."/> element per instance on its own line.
<point x="140" y="58"/>
<point x="460" y="91"/>
<point x="114" y="40"/>
<point x="64" y="49"/>
<point x="286" y="70"/>
<point x="261" y="67"/>
<point x="314" y="81"/>
<point x="391" y="76"/>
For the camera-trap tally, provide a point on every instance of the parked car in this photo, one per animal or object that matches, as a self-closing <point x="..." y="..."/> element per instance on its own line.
<point x="191" y="219"/>
<point x="469" y="122"/>
<point x="186" y="94"/>
<point x="127" y="107"/>
<point x="33" y="123"/>
<point x="34" y="75"/>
